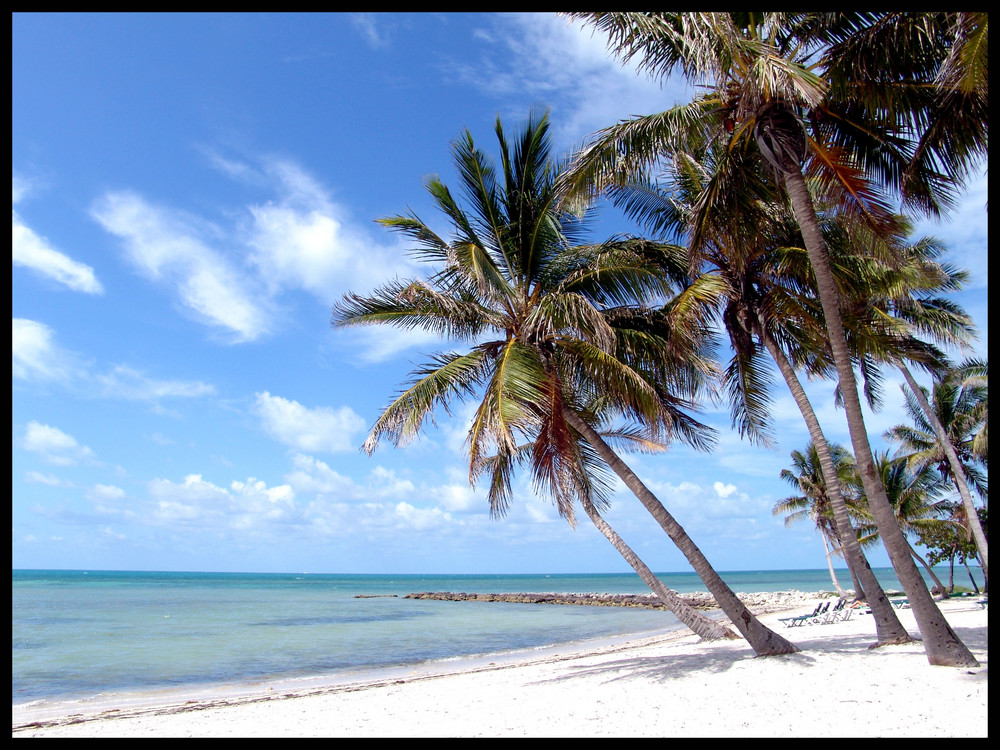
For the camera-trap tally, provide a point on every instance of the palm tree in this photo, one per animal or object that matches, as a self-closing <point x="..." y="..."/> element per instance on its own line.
<point x="762" y="71"/>
<point x="915" y="494"/>
<point x="903" y="300"/>
<point x="703" y="626"/>
<point x="942" y="435"/>
<point x="749" y="266"/>
<point x="561" y="337"/>
<point x="975" y="373"/>
<point x="814" y="503"/>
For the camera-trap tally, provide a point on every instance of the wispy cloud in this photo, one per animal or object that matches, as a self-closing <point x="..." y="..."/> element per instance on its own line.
<point x="129" y="383"/>
<point x="30" y="250"/>
<point x="295" y="239"/>
<point x="35" y="354"/>
<point x="552" y="60"/>
<point x="168" y="249"/>
<point x="37" y="357"/>
<point x="371" y="31"/>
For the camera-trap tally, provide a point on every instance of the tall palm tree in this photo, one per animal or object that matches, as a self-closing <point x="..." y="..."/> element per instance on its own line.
<point x="813" y="504"/>
<point x="916" y="497"/>
<point x="703" y="626"/>
<point x="975" y="373"/>
<point x="767" y="75"/>
<point x="945" y="441"/>
<point x="748" y="265"/>
<point x="906" y="297"/>
<point x="561" y="337"/>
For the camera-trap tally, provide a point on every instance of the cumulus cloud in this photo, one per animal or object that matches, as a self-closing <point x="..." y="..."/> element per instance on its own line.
<point x="55" y="446"/>
<point x="243" y="505"/>
<point x="302" y="239"/>
<point x="169" y="249"/>
<point x="320" y="429"/>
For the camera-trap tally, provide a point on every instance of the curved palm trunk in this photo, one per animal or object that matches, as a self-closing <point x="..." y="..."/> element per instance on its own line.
<point x="888" y="628"/>
<point x="703" y="626"/>
<point x="956" y="466"/>
<point x="943" y="592"/>
<point x="829" y="566"/>
<point x="975" y="586"/>
<point x="942" y="646"/>
<point x="764" y="641"/>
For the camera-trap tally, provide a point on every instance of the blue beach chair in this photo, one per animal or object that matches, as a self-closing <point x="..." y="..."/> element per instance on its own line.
<point x="794" y="622"/>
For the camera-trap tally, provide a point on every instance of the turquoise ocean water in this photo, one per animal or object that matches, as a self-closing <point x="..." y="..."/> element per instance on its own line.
<point x="91" y="633"/>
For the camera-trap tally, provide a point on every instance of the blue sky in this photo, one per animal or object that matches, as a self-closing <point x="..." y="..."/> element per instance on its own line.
<point x="192" y="193"/>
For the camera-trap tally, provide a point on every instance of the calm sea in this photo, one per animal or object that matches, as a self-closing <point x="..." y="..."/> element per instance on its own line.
<point x="94" y="633"/>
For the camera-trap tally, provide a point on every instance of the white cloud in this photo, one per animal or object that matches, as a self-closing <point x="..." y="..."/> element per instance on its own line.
<point x="106" y="499"/>
<point x="302" y="239"/>
<point x="166" y="248"/>
<point x="107" y="492"/>
<point x="568" y="66"/>
<point x="724" y="490"/>
<point x="420" y="519"/>
<point x="35" y="355"/>
<point x="365" y="24"/>
<point x="30" y="250"/>
<point x="322" y="429"/>
<point x="39" y="478"/>
<point x="126" y="382"/>
<point x="56" y="446"/>
<point x="313" y="476"/>
<point x="245" y="504"/>
<point x="19" y="187"/>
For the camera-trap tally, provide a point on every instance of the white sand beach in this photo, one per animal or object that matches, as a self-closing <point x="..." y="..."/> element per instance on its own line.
<point x="657" y="687"/>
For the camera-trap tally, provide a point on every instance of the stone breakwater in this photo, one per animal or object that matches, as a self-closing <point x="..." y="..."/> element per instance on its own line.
<point x="758" y="603"/>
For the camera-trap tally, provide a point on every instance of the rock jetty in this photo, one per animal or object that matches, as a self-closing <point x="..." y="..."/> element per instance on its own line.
<point x="759" y="603"/>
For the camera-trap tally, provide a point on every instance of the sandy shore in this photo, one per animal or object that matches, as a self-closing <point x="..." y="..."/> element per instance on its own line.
<point x="656" y="687"/>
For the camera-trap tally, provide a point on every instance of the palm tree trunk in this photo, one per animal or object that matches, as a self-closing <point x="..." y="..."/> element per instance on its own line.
<point x="957" y="471"/>
<point x="942" y="592"/>
<point x="975" y="586"/>
<point x="829" y="565"/>
<point x="702" y="626"/>
<point x="888" y="628"/>
<point x="763" y="640"/>
<point x="942" y="646"/>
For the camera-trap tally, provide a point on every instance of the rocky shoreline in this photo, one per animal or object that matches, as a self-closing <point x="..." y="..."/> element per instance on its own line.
<point x="758" y="603"/>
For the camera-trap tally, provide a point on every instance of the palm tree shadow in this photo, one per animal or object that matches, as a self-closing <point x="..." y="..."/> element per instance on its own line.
<point x="710" y="661"/>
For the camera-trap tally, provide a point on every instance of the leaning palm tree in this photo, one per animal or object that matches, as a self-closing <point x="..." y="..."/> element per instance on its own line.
<point x="768" y="76"/>
<point x="916" y="497"/>
<point x="750" y="268"/>
<point x="813" y="504"/>
<point x="906" y="298"/>
<point x="560" y="335"/>
<point x="945" y="441"/>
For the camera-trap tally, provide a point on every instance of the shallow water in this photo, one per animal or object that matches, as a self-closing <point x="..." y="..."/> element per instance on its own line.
<point x="87" y="633"/>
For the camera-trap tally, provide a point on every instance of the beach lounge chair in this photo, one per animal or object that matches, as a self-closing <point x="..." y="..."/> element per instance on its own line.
<point x="983" y="603"/>
<point x="820" y="615"/>
<point x="835" y="614"/>
<point x="794" y="622"/>
<point x="900" y="603"/>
